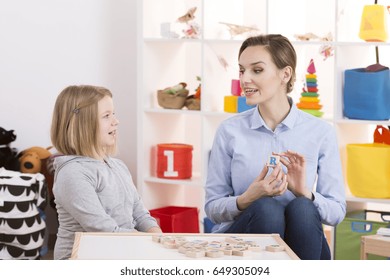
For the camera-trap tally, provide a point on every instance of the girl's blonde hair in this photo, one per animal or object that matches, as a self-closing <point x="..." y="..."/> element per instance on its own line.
<point x="75" y="123"/>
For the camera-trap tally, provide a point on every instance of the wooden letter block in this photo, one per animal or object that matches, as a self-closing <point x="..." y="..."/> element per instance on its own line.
<point x="241" y="252"/>
<point x="195" y="253"/>
<point x="214" y="254"/>
<point x="157" y="238"/>
<point x="233" y="239"/>
<point x="274" y="248"/>
<point x="273" y="161"/>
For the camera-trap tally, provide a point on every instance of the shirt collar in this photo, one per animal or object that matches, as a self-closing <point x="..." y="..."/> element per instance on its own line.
<point x="257" y="121"/>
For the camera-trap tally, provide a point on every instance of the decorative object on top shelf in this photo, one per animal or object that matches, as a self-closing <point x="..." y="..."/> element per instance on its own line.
<point x="366" y="93"/>
<point x="368" y="167"/>
<point x="236" y="30"/>
<point x="373" y="26"/>
<point x="311" y="36"/>
<point x="174" y="161"/>
<point x="192" y="30"/>
<point x="193" y="101"/>
<point x="190" y="15"/>
<point x="173" y="97"/>
<point x="173" y="29"/>
<point x="325" y="50"/>
<point x="309" y="101"/>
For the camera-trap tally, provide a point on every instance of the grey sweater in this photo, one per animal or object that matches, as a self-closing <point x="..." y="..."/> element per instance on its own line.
<point x="95" y="196"/>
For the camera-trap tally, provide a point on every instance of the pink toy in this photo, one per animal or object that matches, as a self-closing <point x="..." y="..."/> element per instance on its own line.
<point x="236" y="88"/>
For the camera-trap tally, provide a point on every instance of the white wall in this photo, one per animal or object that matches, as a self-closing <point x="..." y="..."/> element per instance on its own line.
<point x="46" y="45"/>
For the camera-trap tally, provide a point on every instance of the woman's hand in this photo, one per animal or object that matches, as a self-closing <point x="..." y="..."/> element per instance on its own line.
<point x="272" y="185"/>
<point x="296" y="173"/>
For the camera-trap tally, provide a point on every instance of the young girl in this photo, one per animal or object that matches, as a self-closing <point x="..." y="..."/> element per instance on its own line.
<point x="93" y="191"/>
<point x="243" y="195"/>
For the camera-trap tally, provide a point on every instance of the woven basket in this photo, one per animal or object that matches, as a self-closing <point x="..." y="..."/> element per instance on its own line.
<point x="172" y="101"/>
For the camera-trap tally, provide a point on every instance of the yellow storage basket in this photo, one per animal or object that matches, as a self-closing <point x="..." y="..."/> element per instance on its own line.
<point x="373" y="26"/>
<point x="368" y="170"/>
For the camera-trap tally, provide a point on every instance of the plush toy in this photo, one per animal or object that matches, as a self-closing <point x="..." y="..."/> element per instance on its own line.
<point x="31" y="159"/>
<point x="6" y="136"/>
<point x="8" y="155"/>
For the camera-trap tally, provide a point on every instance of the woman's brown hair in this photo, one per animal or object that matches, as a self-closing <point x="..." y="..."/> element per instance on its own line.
<point x="281" y="50"/>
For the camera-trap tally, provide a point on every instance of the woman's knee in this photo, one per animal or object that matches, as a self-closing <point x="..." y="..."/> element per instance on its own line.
<point x="267" y="216"/>
<point x="266" y="207"/>
<point x="302" y="211"/>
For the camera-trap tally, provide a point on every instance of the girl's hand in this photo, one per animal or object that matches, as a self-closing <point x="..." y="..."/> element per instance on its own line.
<point x="272" y="185"/>
<point x="296" y="173"/>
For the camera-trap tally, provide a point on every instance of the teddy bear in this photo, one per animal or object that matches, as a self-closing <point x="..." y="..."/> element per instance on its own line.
<point x="31" y="159"/>
<point x="8" y="155"/>
<point x="40" y="160"/>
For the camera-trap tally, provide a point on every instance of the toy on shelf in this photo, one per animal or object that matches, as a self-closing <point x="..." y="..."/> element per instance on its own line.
<point x="174" y="161"/>
<point x="325" y="50"/>
<point x="193" y="101"/>
<point x="309" y="101"/>
<point x="373" y="26"/>
<point x="235" y="29"/>
<point x="172" y="29"/>
<point x="173" y="97"/>
<point x="192" y="30"/>
<point x="235" y="103"/>
<point x="311" y="36"/>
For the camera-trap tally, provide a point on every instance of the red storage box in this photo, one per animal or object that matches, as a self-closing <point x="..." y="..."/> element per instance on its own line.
<point x="174" y="161"/>
<point x="177" y="219"/>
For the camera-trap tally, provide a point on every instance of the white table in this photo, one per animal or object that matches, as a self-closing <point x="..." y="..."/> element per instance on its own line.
<point x="140" y="246"/>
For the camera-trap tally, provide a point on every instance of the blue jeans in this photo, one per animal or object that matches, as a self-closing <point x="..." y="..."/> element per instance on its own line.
<point x="298" y="223"/>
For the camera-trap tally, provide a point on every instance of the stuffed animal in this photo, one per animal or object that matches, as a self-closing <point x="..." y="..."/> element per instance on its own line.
<point x="31" y="159"/>
<point x="8" y="155"/>
<point x="6" y="137"/>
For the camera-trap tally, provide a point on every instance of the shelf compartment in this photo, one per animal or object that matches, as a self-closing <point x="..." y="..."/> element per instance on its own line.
<point x="170" y="128"/>
<point x="156" y="12"/>
<point x="181" y="62"/>
<point x="157" y="194"/>
<point x="250" y="13"/>
<point x="316" y="17"/>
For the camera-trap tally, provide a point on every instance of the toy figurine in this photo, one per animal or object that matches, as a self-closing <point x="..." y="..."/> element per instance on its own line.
<point x="235" y="29"/>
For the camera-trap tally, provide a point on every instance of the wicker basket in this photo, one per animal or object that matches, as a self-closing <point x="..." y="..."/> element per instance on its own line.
<point x="172" y="101"/>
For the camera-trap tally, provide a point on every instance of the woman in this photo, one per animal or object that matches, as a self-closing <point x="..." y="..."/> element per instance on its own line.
<point x="305" y="189"/>
<point x="93" y="191"/>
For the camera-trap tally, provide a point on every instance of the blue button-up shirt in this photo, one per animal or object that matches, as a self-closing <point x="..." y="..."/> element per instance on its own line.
<point x="241" y="148"/>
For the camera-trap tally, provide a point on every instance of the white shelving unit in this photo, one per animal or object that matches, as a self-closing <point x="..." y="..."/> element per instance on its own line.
<point x="165" y="62"/>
